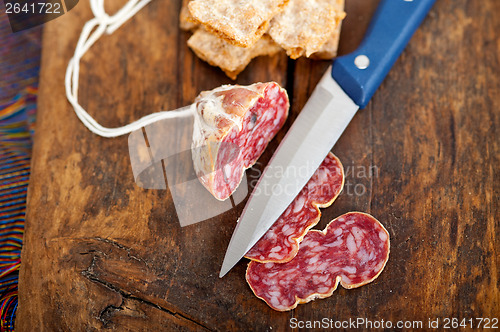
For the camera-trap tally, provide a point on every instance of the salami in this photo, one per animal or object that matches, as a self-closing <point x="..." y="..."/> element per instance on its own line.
<point x="281" y="243"/>
<point x="352" y="250"/>
<point x="232" y="127"/>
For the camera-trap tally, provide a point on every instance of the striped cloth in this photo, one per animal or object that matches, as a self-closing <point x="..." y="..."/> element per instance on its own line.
<point x="19" y="67"/>
<point x="16" y="124"/>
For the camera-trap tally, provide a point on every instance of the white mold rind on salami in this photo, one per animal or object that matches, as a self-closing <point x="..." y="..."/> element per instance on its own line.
<point x="281" y="243"/>
<point x="232" y="126"/>
<point x="352" y="250"/>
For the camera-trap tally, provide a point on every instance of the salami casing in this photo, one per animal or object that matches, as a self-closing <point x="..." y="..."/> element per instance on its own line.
<point x="352" y="250"/>
<point x="232" y="127"/>
<point x="281" y="243"/>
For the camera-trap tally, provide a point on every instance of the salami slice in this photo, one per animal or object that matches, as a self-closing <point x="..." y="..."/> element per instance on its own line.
<point x="352" y="250"/>
<point x="281" y="243"/>
<point x="232" y="127"/>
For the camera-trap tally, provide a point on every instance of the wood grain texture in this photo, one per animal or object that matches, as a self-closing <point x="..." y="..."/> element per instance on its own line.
<point x="101" y="253"/>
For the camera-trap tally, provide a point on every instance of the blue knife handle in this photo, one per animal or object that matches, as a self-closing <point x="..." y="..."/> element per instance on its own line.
<point x="389" y="31"/>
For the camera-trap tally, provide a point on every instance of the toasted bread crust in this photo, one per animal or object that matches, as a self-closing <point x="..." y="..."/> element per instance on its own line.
<point x="241" y="23"/>
<point x="304" y="26"/>
<point x="186" y="20"/>
<point x="230" y="58"/>
<point x="330" y="48"/>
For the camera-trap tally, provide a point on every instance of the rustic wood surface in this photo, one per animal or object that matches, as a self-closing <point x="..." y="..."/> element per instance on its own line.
<point x="101" y="253"/>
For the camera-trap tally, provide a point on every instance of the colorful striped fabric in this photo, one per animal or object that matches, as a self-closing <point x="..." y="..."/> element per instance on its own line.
<point x="16" y="128"/>
<point x="19" y="68"/>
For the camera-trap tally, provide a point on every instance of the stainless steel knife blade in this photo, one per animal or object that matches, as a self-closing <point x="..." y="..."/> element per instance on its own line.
<point x="315" y="131"/>
<point x="324" y="118"/>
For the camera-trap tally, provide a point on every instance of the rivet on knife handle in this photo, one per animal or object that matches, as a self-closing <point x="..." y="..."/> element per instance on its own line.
<point x="389" y="31"/>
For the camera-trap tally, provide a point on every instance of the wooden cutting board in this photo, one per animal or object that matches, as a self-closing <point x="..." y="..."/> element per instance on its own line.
<point x="102" y="253"/>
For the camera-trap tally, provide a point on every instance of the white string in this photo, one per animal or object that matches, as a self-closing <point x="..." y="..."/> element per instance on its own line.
<point x="91" y="32"/>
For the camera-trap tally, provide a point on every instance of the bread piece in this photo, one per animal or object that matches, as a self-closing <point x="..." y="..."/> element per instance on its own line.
<point x="304" y="26"/>
<point x="330" y="48"/>
<point x="240" y="22"/>
<point x="230" y="58"/>
<point x="186" y="21"/>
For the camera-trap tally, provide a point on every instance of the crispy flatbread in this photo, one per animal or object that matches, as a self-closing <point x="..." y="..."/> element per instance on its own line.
<point x="330" y="48"/>
<point x="241" y="22"/>
<point x="304" y="26"/>
<point x="186" y="21"/>
<point x="230" y="58"/>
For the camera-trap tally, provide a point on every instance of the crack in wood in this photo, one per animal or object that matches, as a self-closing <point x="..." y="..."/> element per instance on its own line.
<point x="176" y="314"/>
<point x="122" y="247"/>
<point x="105" y="316"/>
<point x="91" y="251"/>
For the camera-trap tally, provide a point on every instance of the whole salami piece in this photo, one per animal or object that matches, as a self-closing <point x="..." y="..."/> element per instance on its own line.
<point x="232" y="127"/>
<point x="281" y="242"/>
<point x="352" y="250"/>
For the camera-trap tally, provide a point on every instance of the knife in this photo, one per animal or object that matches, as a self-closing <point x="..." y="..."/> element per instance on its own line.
<point x="347" y="85"/>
